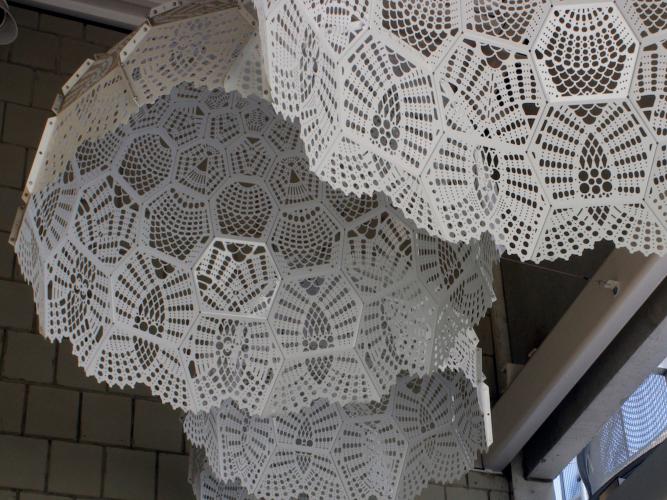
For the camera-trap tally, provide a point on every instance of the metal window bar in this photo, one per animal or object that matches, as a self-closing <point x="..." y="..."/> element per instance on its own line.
<point x="637" y="427"/>
<point x="569" y="485"/>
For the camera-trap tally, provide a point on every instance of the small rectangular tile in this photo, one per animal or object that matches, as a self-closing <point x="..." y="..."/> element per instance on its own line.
<point x="23" y="462"/>
<point x="157" y="427"/>
<point x="173" y="477"/>
<point x="106" y="418"/>
<point x="75" y="469"/>
<point x="12" y="396"/>
<point x="130" y="474"/>
<point x="52" y="412"/>
<point x="28" y="357"/>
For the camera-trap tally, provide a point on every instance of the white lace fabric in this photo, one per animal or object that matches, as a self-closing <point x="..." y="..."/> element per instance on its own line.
<point x="210" y="43"/>
<point x="541" y="122"/>
<point x="425" y="429"/>
<point x="193" y="251"/>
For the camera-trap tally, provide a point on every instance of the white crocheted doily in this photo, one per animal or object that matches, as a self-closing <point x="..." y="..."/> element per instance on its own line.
<point x="210" y="43"/>
<point x="542" y="122"/>
<point x="192" y="250"/>
<point x="428" y="429"/>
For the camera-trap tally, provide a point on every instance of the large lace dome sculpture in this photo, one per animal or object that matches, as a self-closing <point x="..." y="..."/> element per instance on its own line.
<point x="209" y="43"/>
<point x="542" y="122"/>
<point x="426" y="429"/>
<point x="193" y="251"/>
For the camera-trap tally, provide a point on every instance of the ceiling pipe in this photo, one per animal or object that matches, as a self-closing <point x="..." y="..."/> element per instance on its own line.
<point x="612" y="296"/>
<point x="117" y="13"/>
